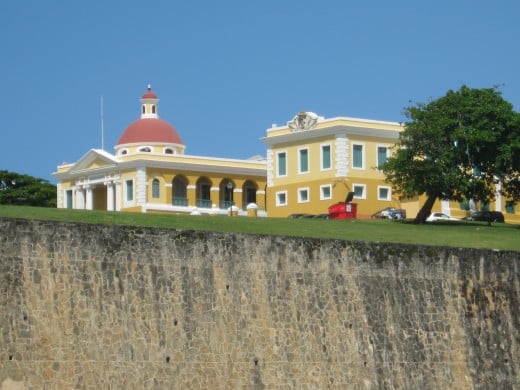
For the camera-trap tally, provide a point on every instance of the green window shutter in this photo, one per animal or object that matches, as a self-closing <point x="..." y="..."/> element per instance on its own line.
<point x="282" y="164"/>
<point x="155" y="188"/>
<point x="304" y="160"/>
<point x="325" y="157"/>
<point x="381" y="155"/>
<point x="129" y="190"/>
<point x="357" y="157"/>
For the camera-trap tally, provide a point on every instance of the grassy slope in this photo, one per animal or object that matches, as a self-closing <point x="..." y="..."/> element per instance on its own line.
<point x="456" y="234"/>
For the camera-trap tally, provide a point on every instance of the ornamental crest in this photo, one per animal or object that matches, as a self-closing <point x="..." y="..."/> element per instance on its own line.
<point x="303" y="121"/>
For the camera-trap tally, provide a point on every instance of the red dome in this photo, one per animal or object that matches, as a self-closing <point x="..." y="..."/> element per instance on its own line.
<point x="149" y="94"/>
<point x="147" y="130"/>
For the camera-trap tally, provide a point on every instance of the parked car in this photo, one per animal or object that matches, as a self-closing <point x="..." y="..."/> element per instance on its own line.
<point x="390" y="213"/>
<point x="440" y="217"/>
<point x="322" y="216"/>
<point x="486" y="216"/>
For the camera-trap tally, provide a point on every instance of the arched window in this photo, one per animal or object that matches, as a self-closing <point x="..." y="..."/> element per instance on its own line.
<point x="249" y="193"/>
<point x="145" y="149"/>
<point x="155" y="188"/>
<point x="168" y="151"/>
<point x="153" y="109"/>
<point x="180" y="193"/>
<point x="144" y="109"/>
<point x="226" y="193"/>
<point x="203" y="192"/>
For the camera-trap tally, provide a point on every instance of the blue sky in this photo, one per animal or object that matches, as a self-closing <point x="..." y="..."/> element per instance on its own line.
<point x="226" y="70"/>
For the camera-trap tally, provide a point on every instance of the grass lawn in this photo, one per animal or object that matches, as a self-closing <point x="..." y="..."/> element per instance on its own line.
<point x="452" y="233"/>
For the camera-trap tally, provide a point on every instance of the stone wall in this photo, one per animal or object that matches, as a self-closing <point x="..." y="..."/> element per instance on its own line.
<point x="91" y="307"/>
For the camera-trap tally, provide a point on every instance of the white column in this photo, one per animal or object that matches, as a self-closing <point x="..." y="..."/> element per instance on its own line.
<point x="445" y="207"/>
<point x="89" y="202"/>
<point x="270" y="168"/>
<point x="498" y="196"/>
<point x="341" y="155"/>
<point x="80" y="197"/>
<point x="118" y="195"/>
<point x="141" y="188"/>
<point x="59" y="195"/>
<point x="110" y="195"/>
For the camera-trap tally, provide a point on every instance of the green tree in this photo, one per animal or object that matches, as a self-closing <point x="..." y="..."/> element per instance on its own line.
<point x="17" y="189"/>
<point x="458" y="147"/>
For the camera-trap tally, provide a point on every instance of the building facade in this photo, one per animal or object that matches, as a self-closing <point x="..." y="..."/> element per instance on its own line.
<point x="149" y="172"/>
<point x="313" y="163"/>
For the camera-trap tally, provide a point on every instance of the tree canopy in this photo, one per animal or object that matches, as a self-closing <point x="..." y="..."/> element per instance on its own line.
<point x="458" y="147"/>
<point x="17" y="189"/>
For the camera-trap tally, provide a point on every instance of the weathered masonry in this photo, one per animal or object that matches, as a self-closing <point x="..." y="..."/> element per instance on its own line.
<point x="85" y="306"/>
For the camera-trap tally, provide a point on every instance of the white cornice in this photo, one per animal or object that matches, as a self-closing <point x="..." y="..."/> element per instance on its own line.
<point x="329" y="131"/>
<point x="321" y="120"/>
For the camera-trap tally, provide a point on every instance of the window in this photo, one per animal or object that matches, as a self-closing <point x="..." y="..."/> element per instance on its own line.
<point x="303" y="195"/>
<point x="145" y="149"/>
<point x="384" y="193"/>
<point x="358" y="160"/>
<point x="303" y="161"/>
<point x="180" y="191"/>
<point x="68" y="197"/>
<point x="510" y="207"/>
<point x="464" y="205"/>
<point x="325" y="157"/>
<point x="168" y="151"/>
<point x="129" y="184"/>
<point x="359" y="191"/>
<point x="325" y="192"/>
<point x="282" y="164"/>
<point x="281" y="198"/>
<point x="382" y="155"/>
<point x="155" y="188"/>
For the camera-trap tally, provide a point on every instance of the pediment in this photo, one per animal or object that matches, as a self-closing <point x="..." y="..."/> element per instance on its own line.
<point x="94" y="160"/>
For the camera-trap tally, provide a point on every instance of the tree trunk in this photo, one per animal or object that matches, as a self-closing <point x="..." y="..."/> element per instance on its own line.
<point x="426" y="209"/>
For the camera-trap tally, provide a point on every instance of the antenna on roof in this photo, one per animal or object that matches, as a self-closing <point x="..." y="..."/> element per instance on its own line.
<point x="102" y="126"/>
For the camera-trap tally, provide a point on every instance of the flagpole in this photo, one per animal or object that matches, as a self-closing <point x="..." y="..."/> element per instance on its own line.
<point x="102" y="126"/>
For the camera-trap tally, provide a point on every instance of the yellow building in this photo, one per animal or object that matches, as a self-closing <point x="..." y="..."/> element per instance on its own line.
<point x="313" y="163"/>
<point x="149" y="172"/>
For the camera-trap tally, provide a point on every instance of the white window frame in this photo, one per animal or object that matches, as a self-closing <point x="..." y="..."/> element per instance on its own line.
<point x="302" y="190"/>
<point x="129" y="202"/>
<point x="321" y="157"/>
<point x="389" y="197"/>
<point x="387" y="147"/>
<point x="68" y="192"/>
<point x="278" y="163"/>
<point x="363" y="151"/>
<point x="322" y="195"/>
<point x="364" y="186"/>
<point x="300" y="162"/>
<point x="278" y="203"/>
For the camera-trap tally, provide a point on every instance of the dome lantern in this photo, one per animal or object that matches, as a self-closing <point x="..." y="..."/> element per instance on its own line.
<point x="149" y="104"/>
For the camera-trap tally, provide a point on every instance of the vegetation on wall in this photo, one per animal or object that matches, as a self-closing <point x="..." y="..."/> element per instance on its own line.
<point x="457" y="148"/>
<point x="17" y="189"/>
